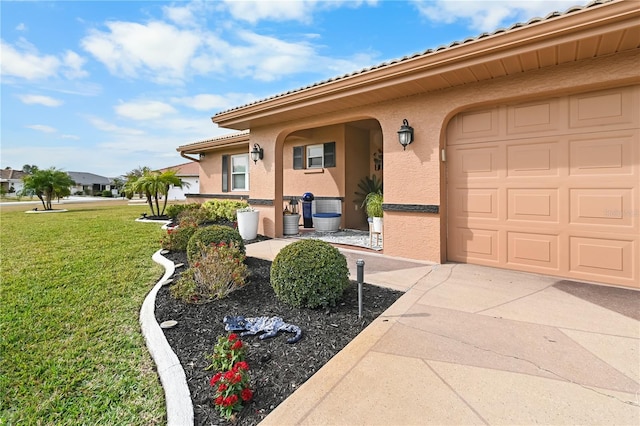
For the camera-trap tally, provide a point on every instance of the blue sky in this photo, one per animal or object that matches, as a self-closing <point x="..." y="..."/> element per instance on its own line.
<point x="106" y="87"/>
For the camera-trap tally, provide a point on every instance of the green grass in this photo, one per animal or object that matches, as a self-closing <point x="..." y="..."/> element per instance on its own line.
<point x="70" y="343"/>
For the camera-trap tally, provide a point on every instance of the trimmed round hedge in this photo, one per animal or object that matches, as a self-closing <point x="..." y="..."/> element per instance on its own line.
<point x="213" y="234"/>
<point x="309" y="273"/>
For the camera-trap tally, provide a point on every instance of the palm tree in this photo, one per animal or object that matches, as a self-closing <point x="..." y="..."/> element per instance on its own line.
<point x="155" y="184"/>
<point x="48" y="184"/>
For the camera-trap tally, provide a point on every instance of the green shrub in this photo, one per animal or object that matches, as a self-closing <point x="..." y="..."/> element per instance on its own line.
<point x="215" y="271"/>
<point x="214" y="234"/>
<point x="221" y="210"/>
<point x="309" y="273"/>
<point x="107" y="194"/>
<point x="174" y="210"/>
<point x="177" y="239"/>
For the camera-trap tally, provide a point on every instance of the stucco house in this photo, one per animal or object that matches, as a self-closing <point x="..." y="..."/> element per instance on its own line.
<point x="11" y="180"/>
<point x="190" y="175"/>
<point x="89" y="183"/>
<point x="525" y="151"/>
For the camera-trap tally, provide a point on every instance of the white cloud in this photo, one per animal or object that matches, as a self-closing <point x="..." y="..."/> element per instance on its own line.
<point x="487" y="16"/>
<point x="144" y="110"/>
<point x="285" y="10"/>
<point x="156" y="50"/>
<point x="42" y="128"/>
<point x="40" y="100"/>
<point x="24" y="61"/>
<point x="105" y="126"/>
<point x="209" y="102"/>
<point x="28" y="63"/>
<point x="72" y="137"/>
<point x="73" y="64"/>
<point x="21" y="27"/>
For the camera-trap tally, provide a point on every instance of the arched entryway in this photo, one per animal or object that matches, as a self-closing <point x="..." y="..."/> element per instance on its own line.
<point x="330" y="161"/>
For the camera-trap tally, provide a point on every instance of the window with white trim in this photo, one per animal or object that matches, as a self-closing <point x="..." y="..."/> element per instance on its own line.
<point x="240" y="172"/>
<point x="317" y="156"/>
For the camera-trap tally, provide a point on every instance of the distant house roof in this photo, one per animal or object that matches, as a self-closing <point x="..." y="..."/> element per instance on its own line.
<point x="82" y="178"/>
<point x="10" y="174"/>
<point x="187" y="169"/>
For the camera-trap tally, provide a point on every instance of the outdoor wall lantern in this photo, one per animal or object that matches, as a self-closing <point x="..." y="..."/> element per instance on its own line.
<point x="202" y="155"/>
<point x="405" y="134"/>
<point x="257" y="153"/>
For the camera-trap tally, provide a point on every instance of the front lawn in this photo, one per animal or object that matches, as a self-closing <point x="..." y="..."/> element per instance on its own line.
<point x="71" y="288"/>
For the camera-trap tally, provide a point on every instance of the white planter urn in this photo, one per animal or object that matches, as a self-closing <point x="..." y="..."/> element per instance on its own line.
<point x="377" y="224"/>
<point x="248" y="224"/>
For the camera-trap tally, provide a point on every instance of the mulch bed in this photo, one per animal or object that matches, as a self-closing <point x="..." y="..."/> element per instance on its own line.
<point x="277" y="368"/>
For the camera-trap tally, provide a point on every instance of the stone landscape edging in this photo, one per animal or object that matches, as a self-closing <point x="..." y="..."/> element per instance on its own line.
<point x="172" y="376"/>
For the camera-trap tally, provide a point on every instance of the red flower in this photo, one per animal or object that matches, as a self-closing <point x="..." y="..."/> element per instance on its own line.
<point x="246" y="394"/>
<point x="232" y="337"/>
<point x="222" y="388"/>
<point x="215" y="379"/>
<point x="219" y="400"/>
<point x="230" y="400"/>
<point x="241" y="365"/>
<point x="236" y="345"/>
<point x="236" y="379"/>
<point x="229" y="375"/>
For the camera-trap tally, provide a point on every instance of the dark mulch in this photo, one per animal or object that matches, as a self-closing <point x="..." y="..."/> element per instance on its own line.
<point x="277" y="368"/>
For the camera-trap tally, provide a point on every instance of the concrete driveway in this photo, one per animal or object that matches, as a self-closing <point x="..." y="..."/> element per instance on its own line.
<point x="475" y="345"/>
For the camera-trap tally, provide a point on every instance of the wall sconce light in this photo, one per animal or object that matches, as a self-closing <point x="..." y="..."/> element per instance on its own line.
<point x="202" y="155"/>
<point x="405" y="134"/>
<point x="257" y="153"/>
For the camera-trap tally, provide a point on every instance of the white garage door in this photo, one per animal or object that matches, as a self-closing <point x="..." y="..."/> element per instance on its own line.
<point x="550" y="186"/>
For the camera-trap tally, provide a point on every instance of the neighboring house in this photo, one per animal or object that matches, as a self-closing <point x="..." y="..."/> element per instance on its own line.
<point x="190" y="175"/>
<point x="88" y="183"/>
<point x="525" y="153"/>
<point x="11" y="180"/>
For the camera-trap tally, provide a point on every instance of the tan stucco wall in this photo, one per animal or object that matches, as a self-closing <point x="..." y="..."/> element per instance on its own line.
<point x="414" y="176"/>
<point x="211" y="172"/>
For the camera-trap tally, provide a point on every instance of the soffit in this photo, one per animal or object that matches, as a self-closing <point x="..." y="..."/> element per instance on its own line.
<point x="583" y="33"/>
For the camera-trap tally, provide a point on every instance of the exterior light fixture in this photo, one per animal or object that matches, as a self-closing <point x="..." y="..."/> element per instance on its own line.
<point x="257" y="153"/>
<point x="202" y="155"/>
<point x="405" y="134"/>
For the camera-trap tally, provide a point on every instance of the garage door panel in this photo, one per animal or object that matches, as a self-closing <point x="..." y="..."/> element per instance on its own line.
<point x="534" y="117"/>
<point x="533" y="159"/>
<point x="602" y="154"/>
<point x="540" y="250"/>
<point x="478" y="203"/>
<point x="476" y="244"/>
<point x="610" y="107"/>
<point x="533" y="205"/>
<point x="605" y="257"/>
<point x="603" y="206"/>
<point x="476" y="163"/>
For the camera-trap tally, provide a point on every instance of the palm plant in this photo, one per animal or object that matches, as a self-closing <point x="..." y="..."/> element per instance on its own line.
<point x="156" y="184"/>
<point x="48" y="184"/>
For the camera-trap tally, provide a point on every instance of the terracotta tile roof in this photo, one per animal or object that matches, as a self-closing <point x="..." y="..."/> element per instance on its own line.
<point x="191" y="168"/>
<point x="513" y="27"/>
<point x="6" y="174"/>
<point x="220" y="140"/>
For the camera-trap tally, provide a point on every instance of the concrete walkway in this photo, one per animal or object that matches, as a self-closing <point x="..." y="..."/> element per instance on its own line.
<point x="474" y="345"/>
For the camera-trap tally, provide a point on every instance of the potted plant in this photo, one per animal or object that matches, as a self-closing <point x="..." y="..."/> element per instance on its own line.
<point x="373" y="203"/>
<point x="248" y="219"/>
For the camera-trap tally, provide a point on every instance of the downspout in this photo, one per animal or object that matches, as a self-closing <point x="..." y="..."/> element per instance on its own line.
<point x="182" y="154"/>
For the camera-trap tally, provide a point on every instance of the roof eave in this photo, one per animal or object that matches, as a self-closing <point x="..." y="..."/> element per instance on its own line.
<point x="578" y="24"/>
